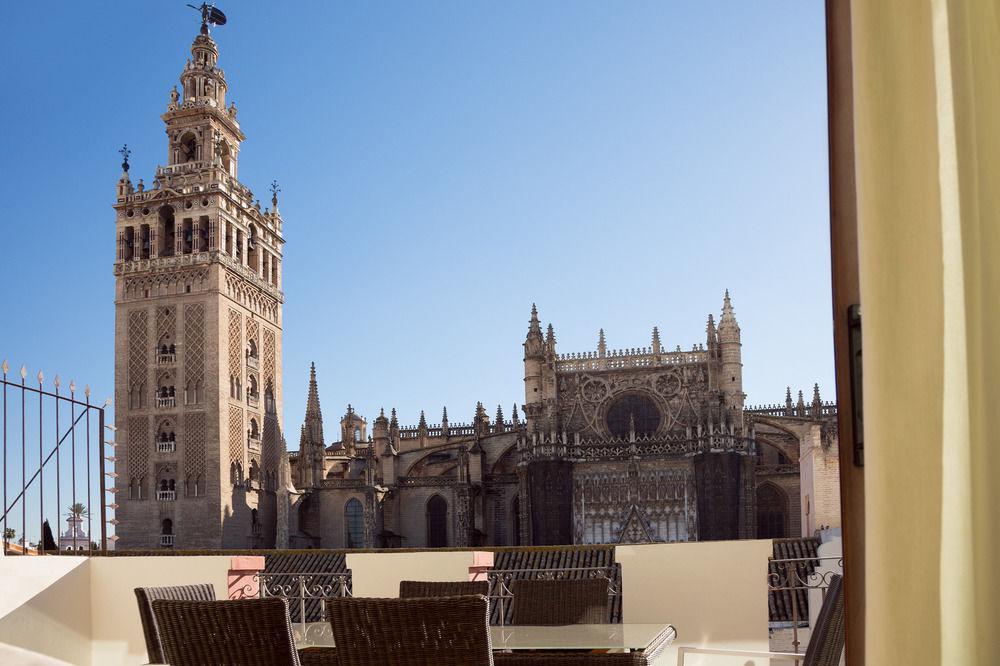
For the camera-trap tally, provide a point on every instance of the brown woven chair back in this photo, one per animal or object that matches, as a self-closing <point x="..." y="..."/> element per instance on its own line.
<point x="248" y="632"/>
<point x="444" y="631"/>
<point x="146" y="596"/>
<point x="827" y="641"/>
<point x="457" y="588"/>
<point x="560" y="601"/>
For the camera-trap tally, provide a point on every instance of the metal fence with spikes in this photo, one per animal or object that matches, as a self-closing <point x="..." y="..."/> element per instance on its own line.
<point x="67" y="432"/>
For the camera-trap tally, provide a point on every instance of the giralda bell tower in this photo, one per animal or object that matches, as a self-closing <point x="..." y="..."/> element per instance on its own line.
<point x="197" y="333"/>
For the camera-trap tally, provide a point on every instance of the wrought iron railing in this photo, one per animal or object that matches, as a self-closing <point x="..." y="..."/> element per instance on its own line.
<point x="305" y="592"/>
<point x="790" y="582"/>
<point x="501" y="594"/>
<point x="53" y="451"/>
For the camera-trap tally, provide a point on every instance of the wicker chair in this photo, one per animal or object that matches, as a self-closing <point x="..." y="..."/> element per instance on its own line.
<point x="248" y="632"/>
<point x="457" y="588"/>
<point x="540" y="602"/>
<point x="147" y="595"/>
<point x="444" y="631"/>
<point x="825" y="646"/>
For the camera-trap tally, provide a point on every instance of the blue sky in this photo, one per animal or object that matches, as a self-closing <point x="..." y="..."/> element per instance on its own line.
<point x="443" y="166"/>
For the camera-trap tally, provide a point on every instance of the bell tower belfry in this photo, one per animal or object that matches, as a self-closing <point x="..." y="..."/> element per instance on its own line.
<point x="198" y="328"/>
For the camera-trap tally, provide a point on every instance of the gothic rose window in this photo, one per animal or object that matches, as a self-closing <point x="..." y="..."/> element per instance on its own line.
<point x="633" y="410"/>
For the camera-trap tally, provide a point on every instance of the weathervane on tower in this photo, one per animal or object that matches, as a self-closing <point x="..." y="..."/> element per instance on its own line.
<point x="209" y="16"/>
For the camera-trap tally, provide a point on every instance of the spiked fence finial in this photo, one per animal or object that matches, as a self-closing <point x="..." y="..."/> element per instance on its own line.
<point x="72" y="386"/>
<point x="41" y="377"/>
<point x="57" y="382"/>
<point x="5" y="367"/>
<point x="24" y="372"/>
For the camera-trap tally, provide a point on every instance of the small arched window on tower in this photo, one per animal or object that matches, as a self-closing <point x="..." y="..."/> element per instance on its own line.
<point x="254" y="523"/>
<point x="227" y="159"/>
<point x="167" y="533"/>
<point x="354" y="524"/>
<point x="437" y="522"/>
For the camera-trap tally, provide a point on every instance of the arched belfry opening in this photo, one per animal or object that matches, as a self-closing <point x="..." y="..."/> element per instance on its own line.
<point x="187" y="148"/>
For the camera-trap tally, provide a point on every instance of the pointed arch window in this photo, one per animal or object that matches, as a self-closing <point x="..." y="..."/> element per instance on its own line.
<point x="772" y="512"/>
<point x="354" y="524"/>
<point x="437" y="522"/>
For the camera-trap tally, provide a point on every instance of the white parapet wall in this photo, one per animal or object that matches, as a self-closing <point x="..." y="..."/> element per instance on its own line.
<point x="713" y="592"/>
<point x="45" y="606"/>
<point x="83" y="610"/>
<point x="115" y="627"/>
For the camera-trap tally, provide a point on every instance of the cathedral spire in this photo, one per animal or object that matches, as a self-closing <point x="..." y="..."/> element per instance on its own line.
<point x="313" y="426"/>
<point x="656" y="340"/>
<point x="498" y="425"/>
<point x="312" y="401"/>
<point x="534" y="345"/>
<point x="602" y="345"/>
<point x="550" y="340"/>
<point x="516" y="419"/>
<point x="728" y="318"/>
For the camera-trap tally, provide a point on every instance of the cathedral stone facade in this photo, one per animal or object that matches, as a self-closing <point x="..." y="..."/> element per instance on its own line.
<point x="197" y="335"/>
<point x="614" y="446"/>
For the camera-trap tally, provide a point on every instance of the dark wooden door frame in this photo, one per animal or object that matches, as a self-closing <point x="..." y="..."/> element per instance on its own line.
<point x="846" y="292"/>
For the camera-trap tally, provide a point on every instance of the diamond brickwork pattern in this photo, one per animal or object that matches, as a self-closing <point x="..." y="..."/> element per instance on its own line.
<point x="236" y="435"/>
<point x="194" y="443"/>
<point x="269" y="357"/>
<point x="166" y="321"/>
<point x="252" y="331"/>
<point x="138" y="446"/>
<point x="194" y="344"/>
<point x="138" y="348"/>
<point x="235" y="344"/>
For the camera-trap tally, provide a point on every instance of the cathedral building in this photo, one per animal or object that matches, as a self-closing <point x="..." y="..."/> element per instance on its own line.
<point x="615" y="446"/>
<point x="197" y="334"/>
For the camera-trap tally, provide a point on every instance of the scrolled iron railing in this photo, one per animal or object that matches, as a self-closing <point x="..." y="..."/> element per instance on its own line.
<point x="501" y="594"/>
<point x="305" y="592"/>
<point x="789" y="583"/>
